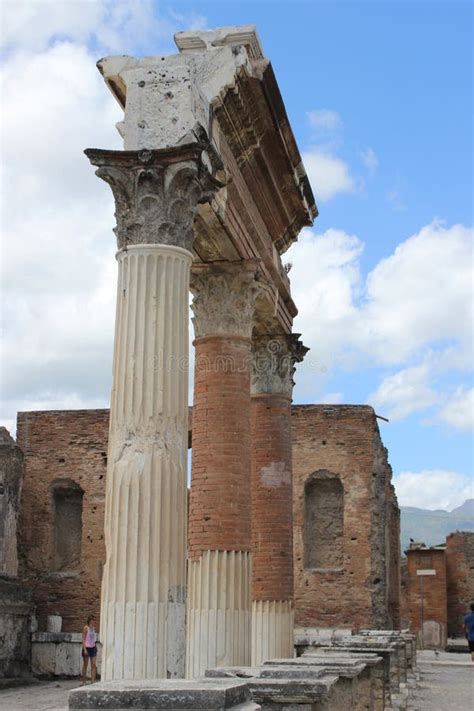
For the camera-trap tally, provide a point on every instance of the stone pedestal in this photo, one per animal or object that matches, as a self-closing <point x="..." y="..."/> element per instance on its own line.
<point x="144" y="582"/>
<point x="199" y="695"/>
<point x="219" y="570"/>
<point x="272" y="515"/>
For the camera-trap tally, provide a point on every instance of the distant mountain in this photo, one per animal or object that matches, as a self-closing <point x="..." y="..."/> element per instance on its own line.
<point x="432" y="527"/>
<point x="466" y="509"/>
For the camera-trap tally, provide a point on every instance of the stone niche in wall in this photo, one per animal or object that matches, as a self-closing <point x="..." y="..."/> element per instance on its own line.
<point x="324" y="521"/>
<point x="67" y="510"/>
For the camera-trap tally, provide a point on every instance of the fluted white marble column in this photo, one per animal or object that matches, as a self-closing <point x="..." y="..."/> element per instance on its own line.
<point x="144" y="581"/>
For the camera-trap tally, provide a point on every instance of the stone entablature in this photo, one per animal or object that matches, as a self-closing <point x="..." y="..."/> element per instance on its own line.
<point x="220" y="93"/>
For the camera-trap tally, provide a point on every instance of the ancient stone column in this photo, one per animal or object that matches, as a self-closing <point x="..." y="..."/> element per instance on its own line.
<point x="143" y="589"/>
<point x="219" y="569"/>
<point x="272" y="517"/>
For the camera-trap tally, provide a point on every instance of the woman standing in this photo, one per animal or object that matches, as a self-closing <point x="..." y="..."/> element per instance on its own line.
<point x="89" y="649"/>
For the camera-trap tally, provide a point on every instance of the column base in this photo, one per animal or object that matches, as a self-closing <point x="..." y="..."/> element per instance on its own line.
<point x="272" y="630"/>
<point x="219" y="613"/>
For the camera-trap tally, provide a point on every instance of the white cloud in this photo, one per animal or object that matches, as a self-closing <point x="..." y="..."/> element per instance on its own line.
<point x="421" y="294"/>
<point x="324" y="120"/>
<point x="405" y="392"/>
<point x="58" y="266"/>
<point x="411" y="314"/>
<point x="327" y="174"/>
<point x="370" y="160"/>
<point x="112" y="26"/>
<point x="433" y="489"/>
<point x="458" y="410"/>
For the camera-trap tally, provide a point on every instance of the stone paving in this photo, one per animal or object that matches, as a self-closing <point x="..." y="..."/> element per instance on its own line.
<point x="44" y="696"/>
<point x="446" y="683"/>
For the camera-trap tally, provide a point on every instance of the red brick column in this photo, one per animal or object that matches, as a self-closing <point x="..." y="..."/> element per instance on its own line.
<point x="219" y="597"/>
<point x="272" y="515"/>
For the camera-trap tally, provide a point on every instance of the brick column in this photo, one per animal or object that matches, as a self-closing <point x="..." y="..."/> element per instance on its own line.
<point x="219" y="572"/>
<point x="144" y="582"/>
<point x="272" y="516"/>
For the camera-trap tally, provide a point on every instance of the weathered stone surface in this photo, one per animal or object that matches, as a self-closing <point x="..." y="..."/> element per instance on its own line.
<point x="459" y="578"/>
<point x="205" y="694"/>
<point x="427" y="595"/>
<point x="15" y="613"/>
<point x="224" y="299"/>
<point x="59" y="654"/>
<point x="274" y="361"/>
<point x="358" y="585"/>
<point x="156" y="193"/>
<point x="11" y="480"/>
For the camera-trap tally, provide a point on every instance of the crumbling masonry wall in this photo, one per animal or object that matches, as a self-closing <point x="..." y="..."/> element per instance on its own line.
<point x="459" y="578"/>
<point x="65" y="452"/>
<point x="426" y="595"/>
<point x="360" y="586"/>
<point x="330" y="443"/>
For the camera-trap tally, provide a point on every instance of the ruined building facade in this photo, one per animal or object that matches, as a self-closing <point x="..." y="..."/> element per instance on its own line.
<point x="345" y="515"/>
<point x="437" y="588"/>
<point x="346" y="520"/>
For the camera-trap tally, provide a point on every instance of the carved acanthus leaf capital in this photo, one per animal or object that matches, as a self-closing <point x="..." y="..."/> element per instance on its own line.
<point x="156" y="192"/>
<point x="273" y="364"/>
<point x="224" y="298"/>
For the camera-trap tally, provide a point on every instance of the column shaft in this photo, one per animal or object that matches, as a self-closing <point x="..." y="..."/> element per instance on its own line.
<point x="272" y="529"/>
<point x="272" y="497"/>
<point x="219" y="572"/>
<point x="143" y="591"/>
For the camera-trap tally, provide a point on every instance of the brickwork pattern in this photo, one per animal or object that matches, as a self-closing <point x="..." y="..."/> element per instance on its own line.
<point x="63" y="445"/>
<point x="427" y="600"/>
<point x="272" y="518"/>
<point x="73" y="445"/>
<point x="460" y="578"/>
<point x="393" y="559"/>
<point x="343" y="440"/>
<point x="219" y="514"/>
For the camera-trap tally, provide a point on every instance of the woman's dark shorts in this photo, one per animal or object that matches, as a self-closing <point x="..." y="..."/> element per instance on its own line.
<point x="90" y="652"/>
<point x="471" y="644"/>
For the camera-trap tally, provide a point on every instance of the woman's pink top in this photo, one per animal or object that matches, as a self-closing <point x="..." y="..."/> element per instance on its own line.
<point x="91" y="637"/>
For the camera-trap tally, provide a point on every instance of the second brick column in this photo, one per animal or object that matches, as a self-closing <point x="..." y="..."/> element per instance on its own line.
<point x="219" y="568"/>
<point x="272" y="517"/>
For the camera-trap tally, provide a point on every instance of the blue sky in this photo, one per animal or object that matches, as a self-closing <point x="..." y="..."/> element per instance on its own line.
<point x="379" y="95"/>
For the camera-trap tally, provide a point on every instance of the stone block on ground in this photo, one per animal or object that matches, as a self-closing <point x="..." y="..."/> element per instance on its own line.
<point x="169" y="694"/>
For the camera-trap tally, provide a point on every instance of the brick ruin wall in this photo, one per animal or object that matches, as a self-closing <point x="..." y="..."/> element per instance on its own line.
<point x="460" y="578"/>
<point x="339" y="446"/>
<point x="65" y="463"/>
<point x="65" y="453"/>
<point x="426" y="595"/>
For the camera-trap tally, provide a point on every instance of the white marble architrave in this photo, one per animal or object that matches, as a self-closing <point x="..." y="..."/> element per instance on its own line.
<point x="144" y="582"/>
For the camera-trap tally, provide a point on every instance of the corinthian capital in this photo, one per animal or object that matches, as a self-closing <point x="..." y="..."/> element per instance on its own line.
<point x="156" y="192"/>
<point x="224" y="298"/>
<point x="273" y="364"/>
